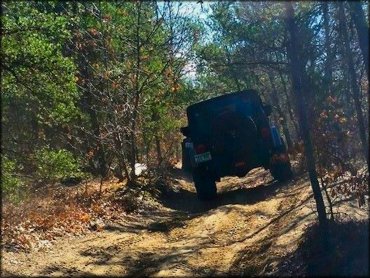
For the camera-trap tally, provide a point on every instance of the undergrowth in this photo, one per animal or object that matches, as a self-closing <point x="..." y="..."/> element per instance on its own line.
<point x="60" y="211"/>
<point x="347" y="255"/>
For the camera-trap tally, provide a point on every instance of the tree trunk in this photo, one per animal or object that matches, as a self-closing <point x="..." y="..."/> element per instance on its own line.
<point x="290" y="108"/>
<point x="275" y="100"/>
<point x="88" y="106"/>
<point x="158" y="149"/>
<point x="329" y="57"/>
<point x="298" y="75"/>
<point x="132" y="156"/>
<point x="356" y="93"/>
<point x="122" y="166"/>
<point x="362" y="28"/>
<point x="87" y="103"/>
<point x="147" y="150"/>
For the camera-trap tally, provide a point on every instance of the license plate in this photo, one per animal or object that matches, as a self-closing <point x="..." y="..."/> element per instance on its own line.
<point x="203" y="157"/>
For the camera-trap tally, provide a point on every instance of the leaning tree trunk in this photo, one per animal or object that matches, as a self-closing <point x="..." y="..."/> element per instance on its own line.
<point x="362" y="28"/>
<point x="328" y="77"/>
<point x="299" y="78"/>
<point x="356" y="93"/>
<point x="290" y="108"/>
<point x="275" y="100"/>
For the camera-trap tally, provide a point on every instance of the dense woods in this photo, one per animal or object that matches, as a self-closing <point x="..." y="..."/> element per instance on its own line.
<point x="90" y="90"/>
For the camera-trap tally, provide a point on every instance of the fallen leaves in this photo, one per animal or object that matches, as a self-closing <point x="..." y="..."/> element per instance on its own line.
<point x="65" y="214"/>
<point x="344" y="184"/>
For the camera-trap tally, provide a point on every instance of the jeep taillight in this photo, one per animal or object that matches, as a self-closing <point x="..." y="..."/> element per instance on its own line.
<point x="265" y="132"/>
<point x="200" y="149"/>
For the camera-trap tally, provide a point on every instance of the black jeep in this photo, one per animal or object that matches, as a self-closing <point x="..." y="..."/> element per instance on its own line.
<point x="230" y="135"/>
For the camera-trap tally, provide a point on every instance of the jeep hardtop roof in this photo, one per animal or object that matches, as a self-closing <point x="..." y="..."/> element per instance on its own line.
<point x="252" y="95"/>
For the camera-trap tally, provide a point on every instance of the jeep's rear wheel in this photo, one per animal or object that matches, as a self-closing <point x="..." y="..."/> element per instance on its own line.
<point x="204" y="185"/>
<point x="281" y="171"/>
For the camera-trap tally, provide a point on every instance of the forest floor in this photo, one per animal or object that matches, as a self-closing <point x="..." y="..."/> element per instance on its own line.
<point x="252" y="228"/>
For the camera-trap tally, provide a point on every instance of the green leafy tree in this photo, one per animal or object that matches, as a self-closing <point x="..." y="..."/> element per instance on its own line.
<point x="11" y="184"/>
<point x="56" y="165"/>
<point x="38" y="82"/>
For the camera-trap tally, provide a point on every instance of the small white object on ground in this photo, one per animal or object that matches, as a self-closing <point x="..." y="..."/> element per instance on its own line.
<point x="139" y="168"/>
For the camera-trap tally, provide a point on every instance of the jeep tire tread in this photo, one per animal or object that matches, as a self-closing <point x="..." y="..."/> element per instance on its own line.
<point x="204" y="185"/>
<point x="281" y="172"/>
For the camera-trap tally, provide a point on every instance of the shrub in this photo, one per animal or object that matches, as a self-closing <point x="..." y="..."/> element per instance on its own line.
<point x="11" y="184"/>
<point x="56" y="165"/>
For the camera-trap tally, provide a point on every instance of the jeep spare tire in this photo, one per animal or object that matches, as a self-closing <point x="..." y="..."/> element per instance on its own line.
<point x="234" y="135"/>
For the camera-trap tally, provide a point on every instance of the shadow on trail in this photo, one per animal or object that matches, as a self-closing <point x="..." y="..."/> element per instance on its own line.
<point x="181" y="174"/>
<point x="151" y="262"/>
<point x="143" y="264"/>
<point x="188" y="202"/>
<point x="185" y="204"/>
<point x="347" y="255"/>
<point x="158" y="221"/>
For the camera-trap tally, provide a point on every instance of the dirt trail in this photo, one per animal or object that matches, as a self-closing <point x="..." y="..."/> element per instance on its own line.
<point x="247" y="230"/>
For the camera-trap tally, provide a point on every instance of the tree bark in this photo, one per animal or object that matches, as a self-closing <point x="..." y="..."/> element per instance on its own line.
<point x="87" y="103"/>
<point x="289" y="106"/>
<point x="356" y="93"/>
<point x="328" y="61"/>
<point x="362" y="28"/>
<point x="132" y="156"/>
<point x="298" y="73"/>
<point x="275" y="100"/>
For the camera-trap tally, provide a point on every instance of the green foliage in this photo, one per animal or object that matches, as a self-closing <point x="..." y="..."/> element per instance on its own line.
<point x="35" y="67"/>
<point x="54" y="165"/>
<point x="39" y="91"/>
<point x="11" y="185"/>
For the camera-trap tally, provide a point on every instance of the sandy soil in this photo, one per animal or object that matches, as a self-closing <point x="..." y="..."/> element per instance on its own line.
<point x="252" y="225"/>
